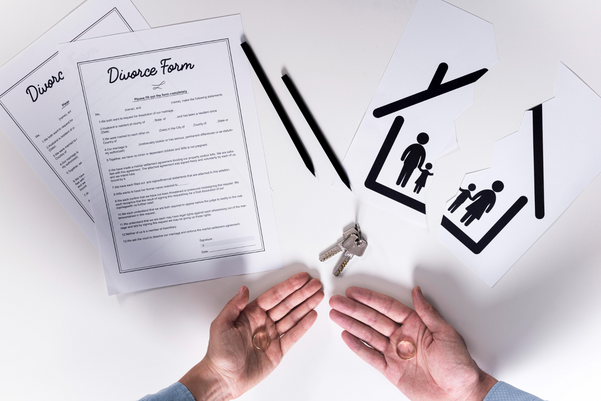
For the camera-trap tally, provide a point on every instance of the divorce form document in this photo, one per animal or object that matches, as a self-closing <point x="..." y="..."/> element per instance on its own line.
<point x="36" y="114"/>
<point x="173" y="154"/>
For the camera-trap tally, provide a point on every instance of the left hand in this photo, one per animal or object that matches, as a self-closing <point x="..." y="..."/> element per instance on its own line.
<point x="232" y="364"/>
<point x="442" y="368"/>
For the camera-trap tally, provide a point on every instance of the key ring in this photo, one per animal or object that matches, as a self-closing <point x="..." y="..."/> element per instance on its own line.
<point x="352" y="244"/>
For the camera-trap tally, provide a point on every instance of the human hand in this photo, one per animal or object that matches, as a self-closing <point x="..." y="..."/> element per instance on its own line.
<point x="232" y="364"/>
<point x="442" y="368"/>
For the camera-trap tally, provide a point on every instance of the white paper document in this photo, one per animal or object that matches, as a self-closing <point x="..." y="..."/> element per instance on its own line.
<point x="410" y="122"/>
<point x="536" y="173"/>
<point x="173" y="154"/>
<point x="36" y="114"/>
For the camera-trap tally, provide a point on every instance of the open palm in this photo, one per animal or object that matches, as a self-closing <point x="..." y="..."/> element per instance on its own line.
<point x="442" y="368"/>
<point x="285" y="312"/>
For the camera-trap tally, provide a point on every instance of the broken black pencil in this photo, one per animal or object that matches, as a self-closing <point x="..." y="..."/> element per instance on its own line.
<point x="316" y="130"/>
<point x="254" y="62"/>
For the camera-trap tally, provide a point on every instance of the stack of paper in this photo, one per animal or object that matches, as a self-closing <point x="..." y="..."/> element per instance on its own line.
<point x="150" y="140"/>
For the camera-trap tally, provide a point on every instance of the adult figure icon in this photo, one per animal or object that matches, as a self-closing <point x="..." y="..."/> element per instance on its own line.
<point x="413" y="157"/>
<point x="483" y="202"/>
<point x="464" y="195"/>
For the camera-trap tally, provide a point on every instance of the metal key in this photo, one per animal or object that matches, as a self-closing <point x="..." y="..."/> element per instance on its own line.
<point x="353" y="246"/>
<point x="337" y="247"/>
<point x="346" y="256"/>
<point x="357" y="248"/>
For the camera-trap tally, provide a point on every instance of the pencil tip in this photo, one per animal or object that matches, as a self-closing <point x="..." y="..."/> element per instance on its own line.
<point x="307" y="160"/>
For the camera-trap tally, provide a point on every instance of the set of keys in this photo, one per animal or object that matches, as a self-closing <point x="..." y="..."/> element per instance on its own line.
<point x="352" y="244"/>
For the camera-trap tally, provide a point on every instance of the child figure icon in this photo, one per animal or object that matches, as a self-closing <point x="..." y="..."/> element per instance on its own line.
<point x="462" y="197"/>
<point x="421" y="181"/>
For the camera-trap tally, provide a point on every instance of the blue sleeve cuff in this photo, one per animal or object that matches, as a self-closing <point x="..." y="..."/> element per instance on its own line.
<point x="175" y="392"/>
<point x="505" y="392"/>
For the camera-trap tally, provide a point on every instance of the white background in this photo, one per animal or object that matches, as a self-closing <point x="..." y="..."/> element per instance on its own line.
<point x="62" y="337"/>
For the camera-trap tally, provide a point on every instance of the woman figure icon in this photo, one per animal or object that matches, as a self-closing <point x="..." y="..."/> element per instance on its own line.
<point x="483" y="202"/>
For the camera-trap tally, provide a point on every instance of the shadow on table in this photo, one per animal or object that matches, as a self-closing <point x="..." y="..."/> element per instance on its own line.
<point x="504" y="329"/>
<point x="496" y="328"/>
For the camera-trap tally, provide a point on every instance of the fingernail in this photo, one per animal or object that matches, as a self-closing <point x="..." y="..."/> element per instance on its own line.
<point x="240" y="290"/>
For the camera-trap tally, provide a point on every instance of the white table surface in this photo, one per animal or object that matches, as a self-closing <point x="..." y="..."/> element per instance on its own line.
<point x="62" y="337"/>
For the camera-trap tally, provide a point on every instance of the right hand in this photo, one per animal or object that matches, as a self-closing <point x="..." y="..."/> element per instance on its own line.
<point x="442" y="368"/>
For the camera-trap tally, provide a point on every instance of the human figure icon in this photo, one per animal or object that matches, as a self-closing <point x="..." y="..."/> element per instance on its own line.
<point x="483" y="202"/>
<point x="464" y="195"/>
<point x="421" y="180"/>
<point x="413" y="157"/>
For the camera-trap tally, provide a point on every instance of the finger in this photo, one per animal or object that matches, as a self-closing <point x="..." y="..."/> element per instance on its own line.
<point x="384" y="304"/>
<point x="232" y="309"/>
<point x="359" y="330"/>
<point x="371" y="356"/>
<point x="299" y="312"/>
<point x="279" y="292"/>
<point x="294" y="334"/>
<point x="430" y="316"/>
<point x="363" y="313"/>
<point x="294" y="299"/>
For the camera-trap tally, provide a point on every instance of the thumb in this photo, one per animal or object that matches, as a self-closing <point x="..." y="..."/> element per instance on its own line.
<point x="232" y="309"/>
<point x="430" y="316"/>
